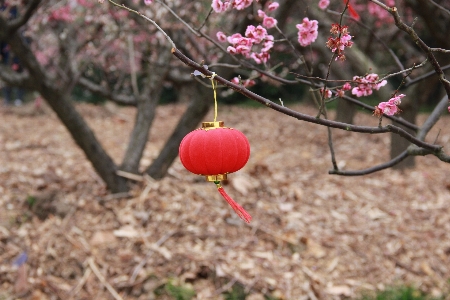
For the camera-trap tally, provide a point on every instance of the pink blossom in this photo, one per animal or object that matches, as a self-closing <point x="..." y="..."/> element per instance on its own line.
<point x="241" y="4"/>
<point x="273" y="6"/>
<point x="63" y="13"/>
<point x="148" y="2"/>
<point x="347" y="86"/>
<point x="261" y="14"/>
<point x="366" y="84"/>
<point x="234" y="39"/>
<point x="235" y="80"/>
<point x="269" y="22"/>
<point x="339" y="43"/>
<point x="259" y="58"/>
<point x="449" y="109"/>
<point x="307" y="32"/>
<point x="340" y="93"/>
<point x="221" y="37"/>
<point x="388" y="108"/>
<point x="246" y="83"/>
<point x="219" y="6"/>
<point x="231" y="50"/>
<point x="267" y="46"/>
<point x="256" y="34"/>
<point x="327" y="94"/>
<point x="396" y="100"/>
<point x="323" y="4"/>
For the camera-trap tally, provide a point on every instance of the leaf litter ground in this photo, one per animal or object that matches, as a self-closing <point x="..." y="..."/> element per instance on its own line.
<point x="313" y="235"/>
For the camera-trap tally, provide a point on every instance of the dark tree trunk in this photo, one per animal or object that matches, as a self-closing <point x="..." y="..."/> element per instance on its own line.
<point x="59" y="101"/>
<point x="193" y="115"/>
<point x="345" y="111"/>
<point x="146" y="108"/>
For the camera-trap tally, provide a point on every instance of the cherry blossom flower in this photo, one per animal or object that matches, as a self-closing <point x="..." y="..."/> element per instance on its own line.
<point x="246" y="83"/>
<point x="268" y="44"/>
<point x="307" y="31"/>
<point x="241" y="4"/>
<point x="323" y="4"/>
<point x="259" y="58"/>
<point x="256" y="34"/>
<point x="219" y="6"/>
<point x="261" y="14"/>
<point x="385" y="108"/>
<point x="347" y="86"/>
<point x="396" y="100"/>
<point x="269" y="22"/>
<point x="326" y="94"/>
<point x="366" y="84"/>
<point x="221" y="37"/>
<point x="273" y="6"/>
<point x="234" y="39"/>
<point x="390" y="107"/>
<point x="148" y="2"/>
<point x="339" y="43"/>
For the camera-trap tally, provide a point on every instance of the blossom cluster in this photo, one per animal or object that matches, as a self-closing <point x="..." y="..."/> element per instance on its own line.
<point x="254" y="36"/>
<point x="390" y="107"/>
<point x="244" y="44"/>
<point x="366" y="84"/>
<point x="337" y="44"/>
<point x="307" y="31"/>
<point x="222" y="5"/>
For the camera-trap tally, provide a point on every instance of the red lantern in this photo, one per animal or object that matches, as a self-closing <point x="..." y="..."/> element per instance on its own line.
<point x="214" y="151"/>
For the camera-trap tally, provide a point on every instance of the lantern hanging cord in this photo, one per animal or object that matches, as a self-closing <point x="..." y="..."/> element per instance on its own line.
<point x="215" y="95"/>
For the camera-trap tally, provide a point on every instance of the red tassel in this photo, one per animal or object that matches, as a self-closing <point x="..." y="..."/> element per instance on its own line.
<point x="240" y="211"/>
<point x="351" y="10"/>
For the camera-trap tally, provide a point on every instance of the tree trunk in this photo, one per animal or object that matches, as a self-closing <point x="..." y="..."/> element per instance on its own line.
<point x="195" y="112"/>
<point x="59" y="101"/>
<point x="146" y="108"/>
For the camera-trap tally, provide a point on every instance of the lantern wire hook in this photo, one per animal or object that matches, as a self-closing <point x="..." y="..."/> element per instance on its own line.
<point x="215" y="95"/>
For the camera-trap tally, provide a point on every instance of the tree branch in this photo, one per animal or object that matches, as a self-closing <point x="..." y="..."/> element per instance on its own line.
<point x="105" y="93"/>
<point x="22" y="20"/>
<point x="301" y="116"/>
<point x="374" y="169"/>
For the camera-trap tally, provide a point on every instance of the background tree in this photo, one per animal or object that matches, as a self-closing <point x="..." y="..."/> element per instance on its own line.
<point x="126" y="58"/>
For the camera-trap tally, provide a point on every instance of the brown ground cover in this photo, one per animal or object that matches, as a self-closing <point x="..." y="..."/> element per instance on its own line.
<point x="313" y="235"/>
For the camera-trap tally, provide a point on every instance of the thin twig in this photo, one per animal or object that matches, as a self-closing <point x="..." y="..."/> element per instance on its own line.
<point x="102" y="279"/>
<point x="374" y="169"/>
<point x="149" y="254"/>
<point x="146" y="18"/>
<point x="403" y="71"/>
<point x="440" y="7"/>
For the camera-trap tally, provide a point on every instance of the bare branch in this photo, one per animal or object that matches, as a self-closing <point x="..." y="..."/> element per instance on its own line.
<point x="146" y="18"/>
<point x="29" y="11"/>
<point x="105" y="93"/>
<point x="433" y="118"/>
<point x="301" y="116"/>
<point x="440" y="7"/>
<point x="374" y="169"/>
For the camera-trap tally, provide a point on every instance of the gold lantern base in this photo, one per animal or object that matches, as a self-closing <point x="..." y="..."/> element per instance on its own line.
<point x="218" y="177"/>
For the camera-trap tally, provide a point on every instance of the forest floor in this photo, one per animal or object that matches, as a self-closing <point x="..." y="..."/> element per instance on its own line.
<point x="313" y="235"/>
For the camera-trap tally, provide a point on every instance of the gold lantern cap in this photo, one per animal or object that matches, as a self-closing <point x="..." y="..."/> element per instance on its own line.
<point x="212" y="125"/>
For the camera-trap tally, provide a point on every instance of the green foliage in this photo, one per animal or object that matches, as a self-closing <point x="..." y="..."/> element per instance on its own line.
<point x="31" y="200"/>
<point x="179" y="292"/>
<point x="400" y="293"/>
<point x="236" y="293"/>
